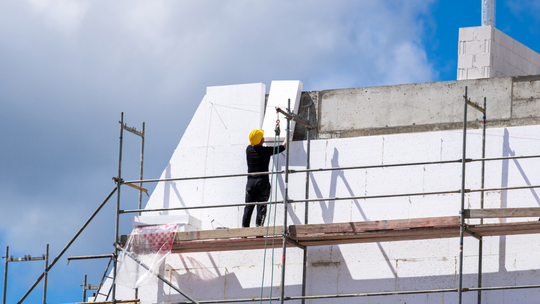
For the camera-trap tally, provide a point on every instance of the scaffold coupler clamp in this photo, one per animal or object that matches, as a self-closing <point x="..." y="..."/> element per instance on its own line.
<point x="115" y="179"/>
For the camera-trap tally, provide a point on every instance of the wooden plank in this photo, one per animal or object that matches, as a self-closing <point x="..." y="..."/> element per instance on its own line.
<point x="382" y="235"/>
<point x="380" y="239"/>
<point x="513" y="228"/>
<point x="225" y="233"/>
<point x="218" y="234"/>
<point x="226" y="245"/>
<point x="345" y="233"/>
<point x="502" y="212"/>
<point x="358" y="227"/>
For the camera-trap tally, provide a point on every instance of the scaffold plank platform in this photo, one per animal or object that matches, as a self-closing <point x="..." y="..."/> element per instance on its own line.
<point x="342" y="233"/>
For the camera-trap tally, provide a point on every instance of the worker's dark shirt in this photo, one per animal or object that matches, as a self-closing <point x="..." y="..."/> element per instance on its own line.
<point x="258" y="158"/>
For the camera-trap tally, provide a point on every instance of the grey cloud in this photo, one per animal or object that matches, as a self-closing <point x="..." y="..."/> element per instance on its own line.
<point x="67" y="70"/>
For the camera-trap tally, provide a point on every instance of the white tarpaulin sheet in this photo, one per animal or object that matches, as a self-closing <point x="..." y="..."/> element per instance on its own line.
<point x="149" y="245"/>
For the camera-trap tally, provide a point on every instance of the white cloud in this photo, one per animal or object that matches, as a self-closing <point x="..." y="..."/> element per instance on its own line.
<point x="407" y="64"/>
<point x="64" y="16"/>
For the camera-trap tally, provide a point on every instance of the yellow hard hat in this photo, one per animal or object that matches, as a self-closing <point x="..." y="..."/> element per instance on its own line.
<point x="256" y="136"/>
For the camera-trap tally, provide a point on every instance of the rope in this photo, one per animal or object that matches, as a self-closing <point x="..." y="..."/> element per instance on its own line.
<point x="275" y="158"/>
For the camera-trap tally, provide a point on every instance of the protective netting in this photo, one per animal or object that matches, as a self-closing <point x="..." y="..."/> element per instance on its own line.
<point x="149" y="245"/>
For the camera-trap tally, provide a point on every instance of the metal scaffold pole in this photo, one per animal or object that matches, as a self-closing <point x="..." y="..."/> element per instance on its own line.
<point x="480" y="241"/>
<point x="306" y="207"/>
<point x="84" y="289"/>
<point x="462" y="215"/>
<point x="46" y="272"/>
<point x="6" y="274"/>
<point x="142" y="167"/>
<point x="286" y="197"/>
<point x="117" y="219"/>
<point x="28" y="258"/>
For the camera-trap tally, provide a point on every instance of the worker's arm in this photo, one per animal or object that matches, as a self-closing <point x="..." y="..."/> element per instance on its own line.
<point x="285" y="143"/>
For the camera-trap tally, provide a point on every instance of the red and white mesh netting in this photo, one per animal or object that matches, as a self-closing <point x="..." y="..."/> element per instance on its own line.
<point x="152" y="239"/>
<point x="149" y="245"/>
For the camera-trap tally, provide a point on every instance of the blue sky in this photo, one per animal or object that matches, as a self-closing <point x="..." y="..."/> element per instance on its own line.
<point x="68" y="69"/>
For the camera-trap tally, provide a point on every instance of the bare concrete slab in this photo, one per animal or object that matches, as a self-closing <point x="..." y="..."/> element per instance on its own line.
<point x="420" y="107"/>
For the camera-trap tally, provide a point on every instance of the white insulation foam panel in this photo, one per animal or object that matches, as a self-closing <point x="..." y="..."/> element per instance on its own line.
<point x="190" y="223"/>
<point x="214" y="143"/>
<point x="280" y="93"/>
<point x="357" y="268"/>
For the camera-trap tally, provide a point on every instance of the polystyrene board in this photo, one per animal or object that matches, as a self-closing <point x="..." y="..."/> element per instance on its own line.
<point x="280" y="93"/>
<point x="222" y="123"/>
<point x="165" y="219"/>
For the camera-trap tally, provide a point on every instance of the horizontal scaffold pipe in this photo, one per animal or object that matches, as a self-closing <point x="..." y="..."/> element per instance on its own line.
<point x="199" y="177"/>
<point x="442" y="162"/>
<point x="501" y="158"/>
<point x="292" y="201"/>
<point x="199" y="207"/>
<point x="411" y="194"/>
<point x="503" y="188"/>
<point x="501" y="287"/>
<point x="367" y="294"/>
<point x="456" y="161"/>
<point x="351" y="295"/>
<point x="135" y="301"/>
<point x="88" y="257"/>
<point x="334" y="199"/>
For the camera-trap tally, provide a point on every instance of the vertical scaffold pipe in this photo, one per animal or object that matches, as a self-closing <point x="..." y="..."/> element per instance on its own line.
<point x="285" y="203"/>
<point x="142" y="167"/>
<point x="46" y="272"/>
<point x="5" y="274"/>
<point x="84" y="289"/>
<point x="461" y="212"/>
<point x="306" y="208"/>
<point x="117" y="221"/>
<point x="481" y="241"/>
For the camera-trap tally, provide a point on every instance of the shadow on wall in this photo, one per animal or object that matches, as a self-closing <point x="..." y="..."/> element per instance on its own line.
<point x="327" y="269"/>
<point x="167" y="192"/>
<point x="508" y="152"/>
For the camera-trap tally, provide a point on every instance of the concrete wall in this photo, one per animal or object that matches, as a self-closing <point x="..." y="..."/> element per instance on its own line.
<point x="511" y="101"/>
<point x="486" y="52"/>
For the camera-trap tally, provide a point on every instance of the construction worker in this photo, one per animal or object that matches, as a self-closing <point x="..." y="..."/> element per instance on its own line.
<point x="258" y="186"/>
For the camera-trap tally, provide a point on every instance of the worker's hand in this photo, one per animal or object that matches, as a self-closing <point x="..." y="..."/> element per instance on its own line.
<point x="285" y="143"/>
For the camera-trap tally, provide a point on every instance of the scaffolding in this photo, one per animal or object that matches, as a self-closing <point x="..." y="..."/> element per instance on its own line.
<point x="303" y="236"/>
<point x="26" y="258"/>
<point x="306" y="235"/>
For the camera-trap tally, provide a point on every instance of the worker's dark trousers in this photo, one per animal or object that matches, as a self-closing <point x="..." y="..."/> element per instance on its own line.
<point x="257" y="190"/>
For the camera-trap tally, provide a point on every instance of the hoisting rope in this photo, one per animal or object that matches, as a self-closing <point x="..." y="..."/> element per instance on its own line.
<point x="273" y="199"/>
